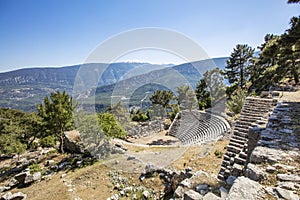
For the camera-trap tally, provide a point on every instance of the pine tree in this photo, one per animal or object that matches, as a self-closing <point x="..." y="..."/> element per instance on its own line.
<point x="202" y="95"/>
<point x="57" y="113"/>
<point x="238" y="65"/>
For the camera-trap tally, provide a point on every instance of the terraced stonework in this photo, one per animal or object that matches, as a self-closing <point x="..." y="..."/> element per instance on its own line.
<point x="253" y="117"/>
<point x="195" y="127"/>
<point x="269" y="155"/>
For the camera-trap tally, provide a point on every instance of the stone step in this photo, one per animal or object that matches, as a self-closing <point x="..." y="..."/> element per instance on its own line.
<point x="243" y="155"/>
<point x="249" y="119"/>
<point x="241" y="134"/>
<point x="221" y="177"/>
<point x="242" y="123"/>
<point x="230" y="154"/>
<point x="251" y="114"/>
<point x="257" y="99"/>
<point x="257" y="105"/>
<point x="240" y="160"/>
<point x="225" y="163"/>
<point x="236" y="137"/>
<point x="237" y="169"/>
<point x="234" y="149"/>
<point x="255" y="108"/>
<point x="236" y="144"/>
<point x="240" y="129"/>
<point x="242" y="142"/>
<point x="226" y="157"/>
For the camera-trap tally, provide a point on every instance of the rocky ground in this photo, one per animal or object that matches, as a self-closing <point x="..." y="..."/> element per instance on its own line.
<point x="143" y="171"/>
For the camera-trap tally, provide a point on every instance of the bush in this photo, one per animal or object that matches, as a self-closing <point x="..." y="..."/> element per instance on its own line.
<point x="48" y="141"/>
<point x="110" y="126"/>
<point x="139" y="117"/>
<point x="236" y="103"/>
<point x="35" y="168"/>
<point x="218" y="153"/>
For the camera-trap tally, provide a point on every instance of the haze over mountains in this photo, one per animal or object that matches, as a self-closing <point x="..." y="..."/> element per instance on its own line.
<point x="23" y="89"/>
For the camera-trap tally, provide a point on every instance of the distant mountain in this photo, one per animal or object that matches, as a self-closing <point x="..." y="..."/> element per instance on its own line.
<point x="23" y="89"/>
<point x="138" y="89"/>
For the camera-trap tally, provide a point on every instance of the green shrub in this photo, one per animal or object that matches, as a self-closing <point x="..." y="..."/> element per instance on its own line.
<point x="48" y="141"/>
<point x="236" y="103"/>
<point x="35" y="168"/>
<point x="141" y="117"/>
<point x="110" y="126"/>
<point x="218" y="153"/>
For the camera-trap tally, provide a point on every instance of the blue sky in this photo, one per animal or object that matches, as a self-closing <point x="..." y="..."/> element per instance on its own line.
<point x="64" y="32"/>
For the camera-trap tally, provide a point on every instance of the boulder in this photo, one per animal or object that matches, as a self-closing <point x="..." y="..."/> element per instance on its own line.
<point x="192" y="195"/>
<point x="244" y="188"/>
<point x="179" y="192"/>
<point x="230" y="180"/>
<point x="22" y="176"/>
<point x="263" y="154"/>
<point x="254" y="172"/>
<point x="211" y="196"/>
<point x="223" y="192"/>
<point x="288" y="185"/>
<point x="286" y="194"/>
<point x="15" y="196"/>
<point x="27" y="178"/>
<point x="151" y="168"/>
<point x="146" y="194"/>
<point x="202" y="188"/>
<point x="186" y="183"/>
<point x="72" y="142"/>
<point x="36" y="176"/>
<point x="289" y="177"/>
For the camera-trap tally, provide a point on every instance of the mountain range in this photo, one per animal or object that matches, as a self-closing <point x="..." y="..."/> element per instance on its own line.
<point x="24" y="88"/>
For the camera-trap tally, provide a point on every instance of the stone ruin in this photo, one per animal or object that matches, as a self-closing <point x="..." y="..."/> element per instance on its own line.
<point x="196" y="127"/>
<point x="264" y="151"/>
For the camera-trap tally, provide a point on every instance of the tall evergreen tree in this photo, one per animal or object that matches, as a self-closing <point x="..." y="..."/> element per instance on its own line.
<point x="238" y="65"/>
<point x="57" y="113"/>
<point x="202" y="95"/>
<point x="290" y="50"/>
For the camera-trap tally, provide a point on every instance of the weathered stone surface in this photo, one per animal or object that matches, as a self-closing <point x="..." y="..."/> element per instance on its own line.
<point x="286" y="194"/>
<point x="146" y="194"/>
<point x="151" y="168"/>
<point x="288" y="185"/>
<point x="211" y="196"/>
<point x="202" y="189"/>
<point x="263" y="154"/>
<point x="186" y="183"/>
<point x="244" y="188"/>
<point x="72" y="142"/>
<point x="288" y="177"/>
<point x="271" y="169"/>
<point x="192" y="195"/>
<point x="33" y="177"/>
<point x="223" y="192"/>
<point x="12" y="183"/>
<point x="230" y="180"/>
<point x="179" y="192"/>
<point x="27" y="178"/>
<point x="254" y="172"/>
<point x="21" y="176"/>
<point x="15" y="196"/>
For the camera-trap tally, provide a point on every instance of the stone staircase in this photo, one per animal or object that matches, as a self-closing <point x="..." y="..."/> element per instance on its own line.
<point x="254" y="114"/>
<point x="195" y="127"/>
